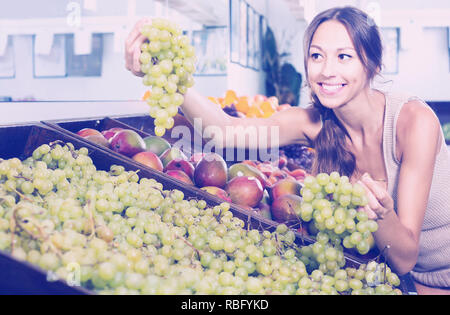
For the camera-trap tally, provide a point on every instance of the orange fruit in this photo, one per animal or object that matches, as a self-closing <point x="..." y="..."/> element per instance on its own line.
<point x="146" y="96"/>
<point x="267" y="108"/>
<point x="230" y="98"/>
<point x="242" y="105"/>
<point x="254" y="111"/>
<point x="221" y="101"/>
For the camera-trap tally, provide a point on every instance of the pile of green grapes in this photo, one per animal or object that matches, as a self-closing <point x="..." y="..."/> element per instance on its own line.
<point x="331" y="202"/>
<point x="113" y="232"/>
<point x="168" y="62"/>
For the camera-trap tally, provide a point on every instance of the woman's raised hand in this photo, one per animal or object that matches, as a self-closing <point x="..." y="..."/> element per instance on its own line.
<point x="133" y="48"/>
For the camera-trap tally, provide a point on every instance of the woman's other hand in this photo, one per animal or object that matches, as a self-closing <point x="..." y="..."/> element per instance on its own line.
<point x="380" y="203"/>
<point x="133" y="48"/>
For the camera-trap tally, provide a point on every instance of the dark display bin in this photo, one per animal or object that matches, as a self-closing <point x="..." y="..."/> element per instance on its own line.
<point x="20" y="141"/>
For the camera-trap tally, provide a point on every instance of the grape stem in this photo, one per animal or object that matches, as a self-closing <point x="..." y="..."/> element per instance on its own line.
<point x="386" y="248"/>
<point x="133" y="173"/>
<point x="23" y="177"/>
<point x="88" y="209"/>
<point x="22" y="196"/>
<point x="15" y="221"/>
<point x="199" y="252"/>
<point x="299" y="222"/>
<point x="54" y="143"/>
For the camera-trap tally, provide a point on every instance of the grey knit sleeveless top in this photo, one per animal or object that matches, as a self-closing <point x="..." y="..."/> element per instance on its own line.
<point x="433" y="264"/>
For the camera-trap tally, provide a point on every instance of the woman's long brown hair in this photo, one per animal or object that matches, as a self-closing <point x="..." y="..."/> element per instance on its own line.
<point x="330" y="144"/>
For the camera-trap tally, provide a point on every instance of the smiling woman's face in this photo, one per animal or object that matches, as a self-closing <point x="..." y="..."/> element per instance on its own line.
<point x="336" y="74"/>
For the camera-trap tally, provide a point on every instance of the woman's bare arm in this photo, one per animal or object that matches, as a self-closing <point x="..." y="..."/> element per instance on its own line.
<point x="295" y="125"/>
<point x="418" y="133"/>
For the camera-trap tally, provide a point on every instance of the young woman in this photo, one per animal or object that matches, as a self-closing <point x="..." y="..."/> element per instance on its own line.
<point x="390" y="143"/>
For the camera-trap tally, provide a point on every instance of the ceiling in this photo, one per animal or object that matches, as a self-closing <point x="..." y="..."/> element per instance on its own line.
<point x="296" y="9"/>
<point x="215" y="12"/>
<point x="211" y="13"/>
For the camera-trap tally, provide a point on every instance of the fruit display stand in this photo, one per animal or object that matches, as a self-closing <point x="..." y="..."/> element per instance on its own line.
<point x="143" y="125"/>
<point x="18" y="277"/>
<point x="20" y="141"/>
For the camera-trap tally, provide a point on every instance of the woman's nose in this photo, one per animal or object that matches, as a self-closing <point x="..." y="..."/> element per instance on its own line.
<point x="328" y="69"/>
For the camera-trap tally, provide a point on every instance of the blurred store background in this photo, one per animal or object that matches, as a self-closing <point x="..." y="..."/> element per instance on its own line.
<point x="73" y="50"/>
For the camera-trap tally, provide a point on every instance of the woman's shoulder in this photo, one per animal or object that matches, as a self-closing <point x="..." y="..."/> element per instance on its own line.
<point x="416" y="119"/>
<point x="416" y="112"/>
<point x="409" y="108"/>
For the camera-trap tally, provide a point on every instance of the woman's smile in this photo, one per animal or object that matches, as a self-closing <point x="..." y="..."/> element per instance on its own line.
<point x="331" y="89"/>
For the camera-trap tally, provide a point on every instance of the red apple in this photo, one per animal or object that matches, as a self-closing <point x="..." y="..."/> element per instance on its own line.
<point x="217" y="192"/>
<point x="286" y="208"/>
<point x="127" y="142"/>
<point x="98" y="139"/>
<point x="245" y="190"/>
<point x="171" y="154"/>
<point x="212" y="170"/>
<point x="286" y="186"/>
<point x="299" y="174"/>
<point x="181" y="164"/>
<point x="180" y="175"/>
<point x="88" y="132"/>
<point x="196" y="157"/>
<point x="281" y="162"/>
<point x="109" y="133"/>
<point x="149" y="159"/>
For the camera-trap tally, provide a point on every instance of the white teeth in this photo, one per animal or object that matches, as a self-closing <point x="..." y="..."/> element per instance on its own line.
<point x="332" y="87"/>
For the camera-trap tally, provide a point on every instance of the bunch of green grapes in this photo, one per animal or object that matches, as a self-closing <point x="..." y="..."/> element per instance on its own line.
<point x="323" y="255"/>
<point x="168" y="62"/>
<point x="331" y="202"/>
<point x="125" y="235"/>
<point x="371" y="279"/>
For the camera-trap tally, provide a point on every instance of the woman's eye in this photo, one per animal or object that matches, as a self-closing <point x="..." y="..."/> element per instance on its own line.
<point x="344" y="57"/>
<point x="315" y="56"/>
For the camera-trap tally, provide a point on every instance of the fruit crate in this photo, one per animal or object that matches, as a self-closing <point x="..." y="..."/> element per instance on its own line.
<point x="20" y="141"/>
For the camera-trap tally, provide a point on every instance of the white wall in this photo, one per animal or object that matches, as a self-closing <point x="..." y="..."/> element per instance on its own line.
<point x="424" y="69"/>
<point x="289" y="34"/>
<point x="115" y="83"/>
